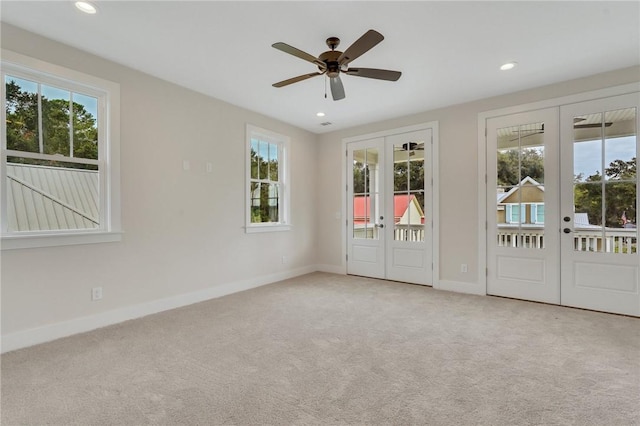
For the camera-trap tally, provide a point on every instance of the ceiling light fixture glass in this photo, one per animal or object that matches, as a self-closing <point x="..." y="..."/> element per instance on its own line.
<point x="508" y="66"/>
<point x="86" y="7"/>
<point x="320" y="114"/>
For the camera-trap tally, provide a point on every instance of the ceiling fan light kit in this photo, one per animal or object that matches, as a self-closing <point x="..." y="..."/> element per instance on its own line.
<point x="333" y="62"/>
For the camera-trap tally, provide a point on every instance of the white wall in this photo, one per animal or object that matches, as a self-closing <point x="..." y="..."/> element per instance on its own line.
<point x="183" y="230"/>
<point x="458" y="153"/>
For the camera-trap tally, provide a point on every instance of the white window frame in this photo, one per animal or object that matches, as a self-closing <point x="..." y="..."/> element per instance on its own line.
<point x="284" y="202"/>
<point x="108" y="95"/>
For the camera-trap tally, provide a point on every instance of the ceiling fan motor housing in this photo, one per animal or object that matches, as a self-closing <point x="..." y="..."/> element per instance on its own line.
<point x="330" y="58"/>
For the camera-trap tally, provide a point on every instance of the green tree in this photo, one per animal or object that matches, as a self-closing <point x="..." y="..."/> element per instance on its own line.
<point x="22" y="126"/>
<point x="413" y="172"/>
<point x="22" y="119"/>
<point x="264" y="196"/>
<point x="619" y="194"/>
<point x="516" y="164"/>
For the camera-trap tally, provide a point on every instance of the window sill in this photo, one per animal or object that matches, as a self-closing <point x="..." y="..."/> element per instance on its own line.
<point x="266" y="228"/>
<point x="53" y="240"/>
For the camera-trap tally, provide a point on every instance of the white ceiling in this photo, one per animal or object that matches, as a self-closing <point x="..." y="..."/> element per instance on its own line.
<point x="448" y="52"/>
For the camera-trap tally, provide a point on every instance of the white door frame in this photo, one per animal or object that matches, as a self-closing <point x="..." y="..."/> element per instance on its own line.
<point x="482" y="155"/>
<point x="433" y="125"/>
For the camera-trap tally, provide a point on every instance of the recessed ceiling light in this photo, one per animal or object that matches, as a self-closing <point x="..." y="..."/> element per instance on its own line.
<point x="508" y="66"/>
<point x="320" y="114"/>
<point x="86" y="7"/>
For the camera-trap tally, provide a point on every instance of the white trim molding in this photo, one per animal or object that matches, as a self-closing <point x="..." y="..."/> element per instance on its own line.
<point x="47" y="333"/>
<point x="108" y="108"/>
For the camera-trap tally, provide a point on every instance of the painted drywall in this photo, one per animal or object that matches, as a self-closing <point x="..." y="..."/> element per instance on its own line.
<point x="458" y="167"/>
<point x="183" y="230"/>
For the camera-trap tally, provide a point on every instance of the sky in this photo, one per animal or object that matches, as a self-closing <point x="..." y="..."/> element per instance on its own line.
<point x="90" y="103"/>
<point x="587" y="156"/>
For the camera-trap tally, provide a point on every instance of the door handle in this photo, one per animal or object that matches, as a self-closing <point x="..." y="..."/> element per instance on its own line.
<point x="567" y="231"/>
<point x="379" y="225"/>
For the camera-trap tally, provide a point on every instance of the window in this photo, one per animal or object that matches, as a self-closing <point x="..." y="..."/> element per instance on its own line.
<point x="60" y="182"/>
<point x="513" y="213"/>
<point x="267" y="181"/>
<point x="537" y="212"/>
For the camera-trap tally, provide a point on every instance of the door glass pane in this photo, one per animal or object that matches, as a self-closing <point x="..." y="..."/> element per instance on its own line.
<point x="605" y="192"/>
<point x="621" y="233"/>
<point x="587" y="147"/>
<point x="520" y="190"/>
<point x="366" y="196"/>
<point x="408" y="191"/>
<point x="588" y="230"/>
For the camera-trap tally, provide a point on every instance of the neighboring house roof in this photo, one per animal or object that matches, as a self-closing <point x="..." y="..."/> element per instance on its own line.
<point x="526" y="181"/>
<point x="51" y="198"/>
<point x="362" y="207"/>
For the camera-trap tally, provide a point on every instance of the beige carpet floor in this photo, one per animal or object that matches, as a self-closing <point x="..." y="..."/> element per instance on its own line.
<point x="326" y="349"/>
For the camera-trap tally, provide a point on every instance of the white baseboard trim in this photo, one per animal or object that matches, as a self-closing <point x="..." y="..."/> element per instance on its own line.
<point x="333" y="269"/>
<point x="47" y="333"/>
<point x="460" y="287"/>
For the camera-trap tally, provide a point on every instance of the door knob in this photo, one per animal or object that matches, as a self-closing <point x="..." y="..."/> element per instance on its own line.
<point x="379" y="225"/>
<point x="567" y="219"/>
<point x="566" y="230"/>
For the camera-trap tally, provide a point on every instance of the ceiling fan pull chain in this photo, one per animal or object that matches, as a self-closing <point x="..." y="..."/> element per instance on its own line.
<point x="325" y="87"/>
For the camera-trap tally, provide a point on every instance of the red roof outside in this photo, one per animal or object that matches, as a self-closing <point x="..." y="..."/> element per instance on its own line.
<point x="362" y="208"/>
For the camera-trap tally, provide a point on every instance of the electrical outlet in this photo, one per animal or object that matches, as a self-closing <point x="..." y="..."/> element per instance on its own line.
<point x="96" y="293"/>
<point x="463" y="268"/>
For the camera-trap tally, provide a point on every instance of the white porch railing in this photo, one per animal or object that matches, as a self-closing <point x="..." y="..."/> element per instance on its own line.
<point x="614" y="240"/>
<point x="408" y="232"/>
<point x="400" y="232"/>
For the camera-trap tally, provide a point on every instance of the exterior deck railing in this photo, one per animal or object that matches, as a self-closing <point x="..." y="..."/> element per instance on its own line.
<point x="400" y="232"/>
<point x="612" y="240"/>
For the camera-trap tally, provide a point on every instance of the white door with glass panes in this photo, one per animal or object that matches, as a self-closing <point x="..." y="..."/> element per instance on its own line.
<point x="599" y="205"/>
<point x="522" y="202"/>
<point x="562" y="205"/>
<point x="389" y="205"/>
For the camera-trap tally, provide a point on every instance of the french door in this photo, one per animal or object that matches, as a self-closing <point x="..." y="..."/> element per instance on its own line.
<point x="599" y="238"/>
<point x="522" y="195"/>
<point x="389" y="207"/>
<point x="562" y="205"/>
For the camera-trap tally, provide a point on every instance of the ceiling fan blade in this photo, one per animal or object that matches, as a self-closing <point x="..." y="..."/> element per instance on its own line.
<point x="337" y="89"/>
<point x="296" y="79"/>
<point x="591" y="126"/>
<point x="375" y="73"/>
<point x="538" y="132"/>
<point x="284" y="47"/>
<point x="360" y="46"/>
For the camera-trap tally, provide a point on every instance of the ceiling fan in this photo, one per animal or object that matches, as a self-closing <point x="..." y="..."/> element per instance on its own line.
<point x="575" y="126"/>
<point x="411" y="146"/>
<point x="588" y="125"/>
<point x="333" y="62"/>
